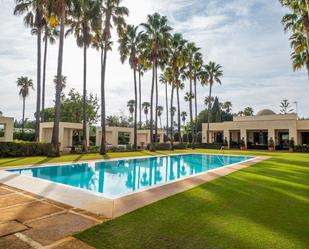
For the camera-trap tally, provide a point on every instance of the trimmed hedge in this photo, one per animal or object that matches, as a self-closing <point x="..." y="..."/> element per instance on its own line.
<point x="29" y="137"/>
<point x="163" y="146"/>
<point x="301" y="148"/>
<point x="214" y="146"/>
<point x="12" y="149"/>
<point x="180" y="146"/>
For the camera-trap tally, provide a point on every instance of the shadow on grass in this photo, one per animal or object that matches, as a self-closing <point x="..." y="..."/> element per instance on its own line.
<point x="9" y="161"/>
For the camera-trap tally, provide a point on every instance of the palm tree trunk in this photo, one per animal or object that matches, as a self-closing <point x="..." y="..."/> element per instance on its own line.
<point x="160" y="122"/>
<point x="44" y="76"/>
<point x="103" y="69"/>
<point x="172" y="119"/>
<point x="157" y="99"/>
<point x="195" y="107"/>
<point x="166" y="104"/>
<point x="55" y="136"/>
<point x="209" y="111"/>
<point x="23" y="117"/>
<point x="152" y="148"/>
<point x="178" y="107"/>
<point x="306" y="28"/>
<point x="38" y="87"/>
<point x="135" y="111"/>
<point x="191" y="114"/>
<point x="85" y="145"/>
<point x="140" y="98"/>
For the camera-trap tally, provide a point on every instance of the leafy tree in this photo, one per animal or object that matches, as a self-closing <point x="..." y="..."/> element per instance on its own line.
<point x="227" y="106"/>
<point x="248" y="111"/>
<point x="25" y="85"/>
<point x="72" y="109"/>
<point x="285" y="107"/>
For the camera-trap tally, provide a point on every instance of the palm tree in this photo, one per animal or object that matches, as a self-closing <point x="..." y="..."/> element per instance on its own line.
<point x="85" y="18"/>
<point x="63" y="82"/>
<point x="227" y="105"/>
<point x="213" y="74"/>
<point x="146" y="106"/>
<point x="25" y="84"/>
<point x="166" y="78"/>
<point x="190" y="52"/>
<point x="196" y="70"/>
<point x="50" y="35"/>
<point x="208" y="100"/>
<point x="179" y="86"/>
<point x="132" y="107"/>
<point x="34" y="18"/>
<point x="183" y="118"/>
<point x="113" y="15"/>
<point x="129" y="43"/>
<point x="188" y="98"/>
<point x="156" y="39"/>
<point x="159" y="113"/>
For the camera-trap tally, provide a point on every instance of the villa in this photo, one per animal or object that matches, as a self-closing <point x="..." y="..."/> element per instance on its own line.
<point x="257" y="130"/>
<point x="6" y="129"/>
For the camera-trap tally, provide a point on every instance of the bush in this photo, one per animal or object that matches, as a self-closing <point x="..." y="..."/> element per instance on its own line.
<point x="271" y="143"/>
<point x="214" y="146"/>
<point x="163" y="146"/>
<point x="180" y="146"/>
<point x="13" y="149"/>
<point x="29" y="137"/>
<point x="301" y="148"/>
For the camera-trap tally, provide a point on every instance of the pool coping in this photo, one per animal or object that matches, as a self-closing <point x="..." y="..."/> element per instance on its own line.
<point x="111" y="208"/>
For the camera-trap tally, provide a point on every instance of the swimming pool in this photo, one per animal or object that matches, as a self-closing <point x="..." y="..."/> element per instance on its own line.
<point x="117" y="178"/>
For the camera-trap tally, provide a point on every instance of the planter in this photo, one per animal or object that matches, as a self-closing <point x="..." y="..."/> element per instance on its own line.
<point x="242" y="148"/>
<point x="271" y="148"/>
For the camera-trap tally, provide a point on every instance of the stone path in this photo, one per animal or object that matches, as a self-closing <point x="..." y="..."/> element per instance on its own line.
<point x="32" y="222"/>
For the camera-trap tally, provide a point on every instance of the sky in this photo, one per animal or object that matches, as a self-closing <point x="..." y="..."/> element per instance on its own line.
<point x="245" y="37"/>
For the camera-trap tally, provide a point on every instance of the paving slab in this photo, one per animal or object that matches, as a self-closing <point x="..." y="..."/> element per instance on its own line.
<point x="4" y="191"/>
<point x="13" y="199"/>
<point x="28" y="211"/>
<point x="12" y="242"/>
<point x="48" y="230"/>
<point x="73" y="243"/>
<point x="11" y="227"/>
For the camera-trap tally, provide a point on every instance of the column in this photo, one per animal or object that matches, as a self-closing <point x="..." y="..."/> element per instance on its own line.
<point x="243" y="135"/>
<point x="226" y="134"/>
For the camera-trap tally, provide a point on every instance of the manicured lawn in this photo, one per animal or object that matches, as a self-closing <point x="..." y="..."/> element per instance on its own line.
<point x="263" y="206"/>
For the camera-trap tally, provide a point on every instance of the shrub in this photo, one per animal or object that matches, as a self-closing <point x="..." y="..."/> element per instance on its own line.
<point x="29" y="137"/>
<point x="242" y="142"/>
<point x="301" y="148"/>
<point x="225" y="142"/>
<point x="271" y="143"/>
<point x="180" y="146"/>
<point x="163" y="146"/>
<point x="291" y="144"/>
<point x="13" y="149"/>
<point x="214" y="146"/>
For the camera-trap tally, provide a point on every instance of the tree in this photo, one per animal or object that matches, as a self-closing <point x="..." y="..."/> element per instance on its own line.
<point x="63" y="81"/>
<point x="159" y="113"/>
<point x="50" y="35"/>
<point x="248" y="111"/>
<point x="25" y="85"/>
<point x="227" y="105"/>
<point x="208" y="100"/>
<point x="131" y="104"/>
<point x="113" y="16"/>
<point x="129" y="44"/>
<point x="213" y="73"/>
<point x="155" y="40"/>
<point x="298" y="23"/>
<point x="34" y="18"/>
<point x="85" y="18"/>
<point x="146" y="106"/>
<point x="190" y="52"/>
<point x="285" y="107"/>
<point x="183" y="117"/>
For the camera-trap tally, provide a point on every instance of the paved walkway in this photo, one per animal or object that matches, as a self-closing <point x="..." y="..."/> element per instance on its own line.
<point x="29" y="221"/>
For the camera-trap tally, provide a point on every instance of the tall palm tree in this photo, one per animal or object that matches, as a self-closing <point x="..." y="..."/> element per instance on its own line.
<point x="173" y="111"/>
<point x="166" y="78"/>
<point x="159" y="113"/>
<point x="25" y="85"/>
<point x="85" y="19"/>
<point x="188" y="98"/>
<point x="132" y="107"/>
<point x="63" y="82"/>
<point x="113" y="16"/>
<point x="190" y="51"/>
<point x="208" y="100"/>
<point x="156" y="39"/>
<point x="128" y="47"/>
<point x="50" y="35"/>
<point x="213" y="74"/>
<point x="227" y="105"/>
<point x="59" y="8"/>
<point x="183" y="118"/>
<point x="146" y="106"/>
<point x="179" y="86"/>
<point x="34" y="18"/>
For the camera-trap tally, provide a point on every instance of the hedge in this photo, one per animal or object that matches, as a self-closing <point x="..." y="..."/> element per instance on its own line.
<point x="29" y="137"/>
<point x="180" y="146"/>
<point x="301" y="148"/>
<point x="214" y="146"/>
<point x="13" y="149"/>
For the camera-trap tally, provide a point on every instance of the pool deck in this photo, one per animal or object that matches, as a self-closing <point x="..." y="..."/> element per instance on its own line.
<point x="111" y="208"/>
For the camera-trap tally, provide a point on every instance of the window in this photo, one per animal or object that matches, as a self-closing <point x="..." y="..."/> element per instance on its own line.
<point x="2" y="130"/>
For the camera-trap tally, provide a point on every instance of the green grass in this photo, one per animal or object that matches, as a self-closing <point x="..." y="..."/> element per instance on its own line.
<point x="262" y="206"/>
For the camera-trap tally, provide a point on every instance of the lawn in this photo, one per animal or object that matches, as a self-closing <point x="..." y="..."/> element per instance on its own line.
<point x="262" y="206"/>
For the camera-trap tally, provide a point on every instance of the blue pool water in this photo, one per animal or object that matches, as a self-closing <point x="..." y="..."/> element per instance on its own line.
<point x="120" y="177"/>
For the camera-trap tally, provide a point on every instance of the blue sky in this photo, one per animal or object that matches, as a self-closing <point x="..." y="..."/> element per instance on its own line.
<point x="245" y="37"/>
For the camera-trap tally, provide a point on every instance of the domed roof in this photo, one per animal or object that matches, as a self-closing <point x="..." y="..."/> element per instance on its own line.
<point x="265" y="112"/>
